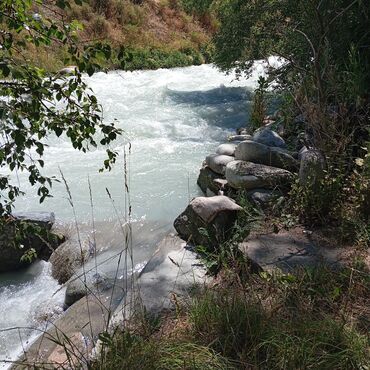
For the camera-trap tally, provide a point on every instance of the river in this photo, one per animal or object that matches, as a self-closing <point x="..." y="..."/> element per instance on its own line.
<point x="172" y="120"/>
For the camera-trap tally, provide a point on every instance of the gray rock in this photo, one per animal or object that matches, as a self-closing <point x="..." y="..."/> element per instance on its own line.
<point x="217" y="163"/>
<point x="68" y="71"/>
<point x="239" y="137"/>
<point x="226" y="149"/>
<point x="24" y="231"/>
<point x="222" y="185"/>
<point x="268" y="137"/>
<point x="262" y="197"/>
<point x="252" y="151"/>
<point x="248" y="175"/>
<point x="206" y="180"/>
<point x="210" y="193"/>
<point x="43" y="219"/>
<point x="174" y="269"/>
<point x="244" y="131"/>
<point x="80" y="286"/>
<point x="312" y="168"/>
<point x="288" y="250"/>
<point x="70" y="256"/>
<point x="207" y="221"/>
<point x="303" y="150"/>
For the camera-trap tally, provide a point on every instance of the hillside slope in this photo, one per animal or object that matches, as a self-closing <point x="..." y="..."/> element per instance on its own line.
<point x="155" y="33"/>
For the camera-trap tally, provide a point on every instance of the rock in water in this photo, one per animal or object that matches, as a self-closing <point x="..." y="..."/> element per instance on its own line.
<point x="22" y="232"/>
<point x="70" y="256"/>
<point x="226" y="149"/>
<point x="252" y="151"/>
<point x="217" y="163"/>
<point x="80" y="286"/>
<point x="207" y="221"/>
<point x="268" y="137"/>
<point x="248" y="176"/>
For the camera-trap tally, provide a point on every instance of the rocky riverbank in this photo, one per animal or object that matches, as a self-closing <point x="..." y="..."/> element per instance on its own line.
<point x="257" y="163"/>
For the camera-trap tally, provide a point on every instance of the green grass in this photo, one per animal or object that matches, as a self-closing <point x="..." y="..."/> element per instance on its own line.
<point x="300" y="321"/>
<point x="307" y="320"/>
<point x="137" y="353"/>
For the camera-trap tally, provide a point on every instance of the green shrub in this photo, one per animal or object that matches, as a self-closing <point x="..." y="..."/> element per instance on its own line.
<point x="141" y="58"/>
<point x="198" y="7"/>
<point x="259" y="106"/>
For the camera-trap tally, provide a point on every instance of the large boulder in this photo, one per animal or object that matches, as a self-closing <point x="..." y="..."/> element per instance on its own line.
<point x="226" y="149"/>
<point x="70" y="256"/>
<point x="252" y="151"/>
<point x="268" y="137"/>
<point x="21" y="234"/>
<point x="248" y="176"/>
<point x="207" y="221"/>
<point x="217" y="163"/>
<point x="312" y="168"/>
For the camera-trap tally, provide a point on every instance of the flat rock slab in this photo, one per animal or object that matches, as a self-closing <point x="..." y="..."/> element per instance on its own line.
<point x="288" y="250"/>
<point x="172" y="272"/>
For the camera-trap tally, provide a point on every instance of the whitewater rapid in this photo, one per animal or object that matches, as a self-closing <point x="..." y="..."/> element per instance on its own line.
<point x="172" y="120"/>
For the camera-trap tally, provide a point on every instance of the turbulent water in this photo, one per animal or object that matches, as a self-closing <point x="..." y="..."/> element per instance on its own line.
<point x="172" y="120"/>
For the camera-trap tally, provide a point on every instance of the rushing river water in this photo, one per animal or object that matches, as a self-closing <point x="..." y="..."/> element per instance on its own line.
<point x="172" y="119"/>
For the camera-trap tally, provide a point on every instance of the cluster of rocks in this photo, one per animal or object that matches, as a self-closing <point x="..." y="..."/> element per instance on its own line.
<point x="249" y="162"/>
<point x="257" y="162"/>
<point x="32" y="233"/>
<point x="25" y="234"/>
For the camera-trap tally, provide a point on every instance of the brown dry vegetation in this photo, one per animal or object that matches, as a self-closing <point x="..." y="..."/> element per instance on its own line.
<point x="146" y="26"/>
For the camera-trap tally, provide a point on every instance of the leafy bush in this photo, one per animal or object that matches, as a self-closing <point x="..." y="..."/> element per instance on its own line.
<point x="198" y="7"/>
<point x="29" y="109"/>
<point x="140" y="58"/>
<point x="259" y="106"/>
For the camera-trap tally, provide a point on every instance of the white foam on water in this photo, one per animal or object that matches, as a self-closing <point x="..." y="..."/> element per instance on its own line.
<point x="172" y="118"/>
<point x="27" y="302"/>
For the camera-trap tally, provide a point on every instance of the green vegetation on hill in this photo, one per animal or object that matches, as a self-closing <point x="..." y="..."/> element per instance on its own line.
<point x="154" y="34"/>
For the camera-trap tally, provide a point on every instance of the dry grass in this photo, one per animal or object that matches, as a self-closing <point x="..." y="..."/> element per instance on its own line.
<point x="150" y="26"/>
